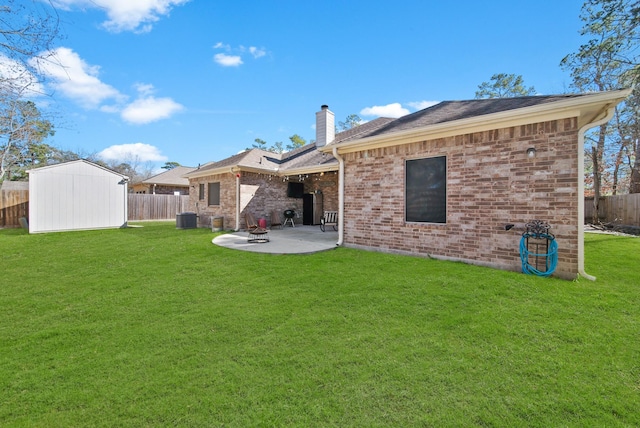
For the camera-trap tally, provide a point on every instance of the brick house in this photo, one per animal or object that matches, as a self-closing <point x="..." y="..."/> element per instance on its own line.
<point x="442" y="182"/>
<point x="169" y="182"/>
<point x="261" y="182"/>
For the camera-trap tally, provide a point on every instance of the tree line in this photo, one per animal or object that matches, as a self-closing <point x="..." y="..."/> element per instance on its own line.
<point x="607" y="60"/>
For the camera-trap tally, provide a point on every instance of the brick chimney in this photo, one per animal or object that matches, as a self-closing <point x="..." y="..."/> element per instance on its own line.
<point x="325" y="126"/>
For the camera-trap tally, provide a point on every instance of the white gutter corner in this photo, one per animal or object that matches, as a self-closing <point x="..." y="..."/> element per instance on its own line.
<point x="607" y="117"/>
<point x="340" y="197"/>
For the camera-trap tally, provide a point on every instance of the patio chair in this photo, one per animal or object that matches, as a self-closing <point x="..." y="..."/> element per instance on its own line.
<point x="256" y="233"/>
<point x="275" y="219"/>
<point x="330" y="218"/>
<point x="250" y="221"/>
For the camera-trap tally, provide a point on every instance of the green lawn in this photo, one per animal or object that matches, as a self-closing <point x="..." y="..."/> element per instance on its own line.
<point x="155" y="326"/>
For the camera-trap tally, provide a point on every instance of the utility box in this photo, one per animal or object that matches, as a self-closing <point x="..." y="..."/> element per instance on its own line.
<point x="217" y="224"/>
<point x="186" y="221"/>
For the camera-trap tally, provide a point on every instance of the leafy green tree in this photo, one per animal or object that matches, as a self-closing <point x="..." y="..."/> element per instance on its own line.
<point x="608" y="60"/>
<point x="296" y="141"/>
<point x="170" y="165"/>
<point x="22" y="131"/>
<point x="351" y="121"/>
<point x="504" y="85"/>
<point x="28" y="29"/>
<point x="259" y="144"/>
<point x="278" y="147"/>
<point x="630" y="132"/>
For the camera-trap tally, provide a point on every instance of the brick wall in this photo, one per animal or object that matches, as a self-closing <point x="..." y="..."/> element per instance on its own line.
<point x="490" y="182"/>
<point x="327" y="183"/>
<point x="170" y="190"/>
<point x="227" y="207"/>
<point x="260" y="195"/>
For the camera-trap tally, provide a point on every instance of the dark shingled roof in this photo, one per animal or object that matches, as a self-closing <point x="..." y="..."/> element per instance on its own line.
<point x="448" y="111"/>
<point x="361" y="130"/>
<point x="301" y="157"/>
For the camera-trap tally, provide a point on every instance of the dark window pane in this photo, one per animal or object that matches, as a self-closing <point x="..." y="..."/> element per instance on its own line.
<point x="214" y="194"/>
<point x="426" y="190"/>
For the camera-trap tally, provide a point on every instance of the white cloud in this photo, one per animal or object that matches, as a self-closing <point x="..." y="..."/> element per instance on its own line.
<point x="144" y="88"/>
<point x="227" y="60"/>
<point x="390" y="110"/>
<point x="257" y="52"/>
<point x="421" y="105"/>
<point x="150" y="109"/>
<point x="137" y="151"/>
<point x="75" y="79"/>
<point x="221" y="45"/>
<point x="234" y="56"/>
<point x="126" y="15"/>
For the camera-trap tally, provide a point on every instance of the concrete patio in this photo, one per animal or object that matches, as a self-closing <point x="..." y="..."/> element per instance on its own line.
<point x="288" y="240"/>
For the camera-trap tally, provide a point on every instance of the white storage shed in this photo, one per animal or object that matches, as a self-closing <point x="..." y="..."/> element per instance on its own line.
<point x="76" y="195"/>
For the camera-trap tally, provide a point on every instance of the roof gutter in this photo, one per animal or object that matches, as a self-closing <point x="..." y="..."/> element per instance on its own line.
<point x="608" y="111"/>
<point x="277" y="172"/>
<point x="340" y="197"/>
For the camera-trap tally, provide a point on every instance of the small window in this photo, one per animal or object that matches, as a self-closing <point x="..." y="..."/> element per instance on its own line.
<point x="426" y="190"/>
<point x="214" y="194"/>
<point x="201" y="192"/>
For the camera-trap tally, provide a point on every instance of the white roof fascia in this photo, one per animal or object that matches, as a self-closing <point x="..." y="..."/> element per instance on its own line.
<point x="279" y="172"/>
<point x="227" y="170"/>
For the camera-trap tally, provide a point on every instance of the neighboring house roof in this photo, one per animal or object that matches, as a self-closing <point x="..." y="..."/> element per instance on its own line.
<point x="171" y="177"/>
<point x="450" y="118"/>
<point x="302" y="160"/>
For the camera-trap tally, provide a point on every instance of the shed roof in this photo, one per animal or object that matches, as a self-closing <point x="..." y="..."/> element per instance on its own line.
<point x="77" y="161"/>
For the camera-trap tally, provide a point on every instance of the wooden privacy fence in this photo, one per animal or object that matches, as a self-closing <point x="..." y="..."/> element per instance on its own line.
<point x="619" y="209"/>
<point x="14" y="204"/>
<point x="156" y="207"/>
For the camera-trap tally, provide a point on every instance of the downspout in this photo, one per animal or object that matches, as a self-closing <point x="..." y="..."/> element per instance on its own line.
<point x="126" y="203"/>
<point x="607" y="117"/>
<point x="340" y="197"/>
<point x="237" y="228"/>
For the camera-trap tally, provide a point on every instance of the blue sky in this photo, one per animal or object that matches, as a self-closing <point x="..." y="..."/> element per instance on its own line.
<point x="197" y="81"/>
